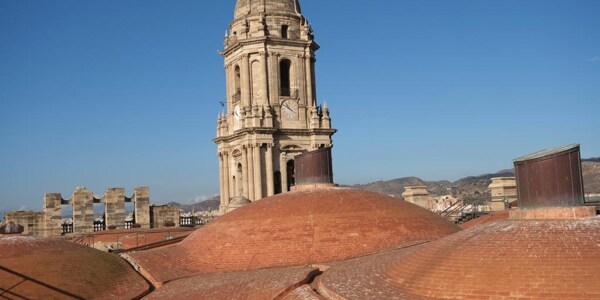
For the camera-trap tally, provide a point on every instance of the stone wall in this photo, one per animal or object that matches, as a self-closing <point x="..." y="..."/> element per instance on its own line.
<point x="52" y="216"/>
<point x="83" y="211"/>
<point x="30" y="221"/>
<point x="162" y="215"/>
<point x="141" y="199"/>
<point x="49" y="222"/>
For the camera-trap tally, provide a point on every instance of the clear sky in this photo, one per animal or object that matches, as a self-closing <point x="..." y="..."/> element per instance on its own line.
<point x="125" y="93"/>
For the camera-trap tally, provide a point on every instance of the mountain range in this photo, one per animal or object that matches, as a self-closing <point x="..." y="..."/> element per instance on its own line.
<point x="465" y="186"/>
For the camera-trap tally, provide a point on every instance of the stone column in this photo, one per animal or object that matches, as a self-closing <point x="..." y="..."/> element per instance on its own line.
<point x="222" y="183"/>
<point x="141" y="199"/>
<point x="245" y="173"/>
<point x="83" y="211"/>
<point x="52" y="215"/>
<point x="245" y="80"/>
<point x="310" y="98"/>
<point x="258" y="193"/>
<point x="274" y="77"/>
<point x="265" y="84"/>
<point x="250" y="179"/>
<point x="313" y="79"/>
<point x="229" y="86"/>
<point x="114" y="207"/>
<point x="301" y="78"/>
<point x="283" y="167"/>
<point x="226" y="166"/>
<point x="269" y="171"/>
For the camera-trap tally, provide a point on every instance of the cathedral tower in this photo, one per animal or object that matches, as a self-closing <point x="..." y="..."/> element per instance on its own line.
<point x="271" y="113"/>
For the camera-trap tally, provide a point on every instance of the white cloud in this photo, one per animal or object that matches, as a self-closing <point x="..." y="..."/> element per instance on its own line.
<point x="594" y="59"/>
<point x="201" y="198"/>
<point x="24" y="207"/>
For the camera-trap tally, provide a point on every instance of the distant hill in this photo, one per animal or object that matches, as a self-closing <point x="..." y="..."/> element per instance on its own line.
<point x="477" y="184"/>
<point x="593" y="159"/>
<point x="465" y="186"/>
<point x="395" y="187"/>
<point x="211" y="204"/>
<point x="474" y="184"/>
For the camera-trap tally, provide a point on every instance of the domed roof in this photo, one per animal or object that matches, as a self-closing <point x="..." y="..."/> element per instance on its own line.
<point x="525" y="259"/>
<point x="37" y="268"/>
<point x="245" y="7"/>
<point x="297" y="228"/>
<point x="549" y="259"/>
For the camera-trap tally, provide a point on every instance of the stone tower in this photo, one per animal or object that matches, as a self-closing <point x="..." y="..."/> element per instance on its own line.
<point x="271" y="113"/>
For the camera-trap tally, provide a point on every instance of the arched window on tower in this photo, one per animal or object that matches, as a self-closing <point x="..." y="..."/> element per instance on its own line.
<point x="236" y="82"/>
<point x="284" y="31"/>
<point x="284" y="77"/>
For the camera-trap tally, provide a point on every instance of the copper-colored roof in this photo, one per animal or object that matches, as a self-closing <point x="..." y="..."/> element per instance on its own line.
<point x="134" y="237"/>
<point x="36" y="268"/>
<point x="491" y="217"/>
<point x="256" y="284"/>
<point x="297" y="228"/>
<point x="509" y="259"/>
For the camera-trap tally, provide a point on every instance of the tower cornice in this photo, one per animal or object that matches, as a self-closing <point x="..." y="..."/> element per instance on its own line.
<point x="268" y="41"/>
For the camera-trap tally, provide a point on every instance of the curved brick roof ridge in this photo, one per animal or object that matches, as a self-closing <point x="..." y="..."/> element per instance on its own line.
<point x="550" y="259"/>
<point x="39" y="268"/>
<point x="508" y="259"/>
<point x="255" y="284"/>
<point x="295" y="229"/>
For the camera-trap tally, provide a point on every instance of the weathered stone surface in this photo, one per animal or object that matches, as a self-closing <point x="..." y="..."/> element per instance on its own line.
<point x="141" y="199"/>
<point x="83" y="211"/>
<point x="417" y="195"/>
<point x="272" y="114"/>
<point x="114" y="210"/>
<point x="504" y="192"/>
<point x="164" y="216"/>
<point x="49" y="223"/>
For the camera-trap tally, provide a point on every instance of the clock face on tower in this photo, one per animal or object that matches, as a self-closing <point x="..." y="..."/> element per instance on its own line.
<point x="289" y="109"/>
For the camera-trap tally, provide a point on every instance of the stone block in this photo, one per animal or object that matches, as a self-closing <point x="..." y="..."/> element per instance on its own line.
<point x="114" y="209"/>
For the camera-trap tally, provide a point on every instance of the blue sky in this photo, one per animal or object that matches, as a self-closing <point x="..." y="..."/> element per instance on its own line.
<point x="126" y="93"/>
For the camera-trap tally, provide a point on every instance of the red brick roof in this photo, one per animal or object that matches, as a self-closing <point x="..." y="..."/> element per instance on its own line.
<point x="491" y="217"/>
<point x="256" y="284"/>
<point x="509" y="259"/>
<point x="297" y="228"/>
<point x="134" y="237"/>
<point x="36" y="268"/>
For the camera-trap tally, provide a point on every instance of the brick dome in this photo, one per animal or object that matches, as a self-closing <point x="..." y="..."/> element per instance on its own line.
<point x="245" y="7"/>
<point x="297" y="228"/>
<point x="549" y="259"/>
<point x="37" y="268"/>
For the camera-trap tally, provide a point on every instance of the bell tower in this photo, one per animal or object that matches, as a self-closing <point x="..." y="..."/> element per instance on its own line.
<point x="271" y="113"/>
